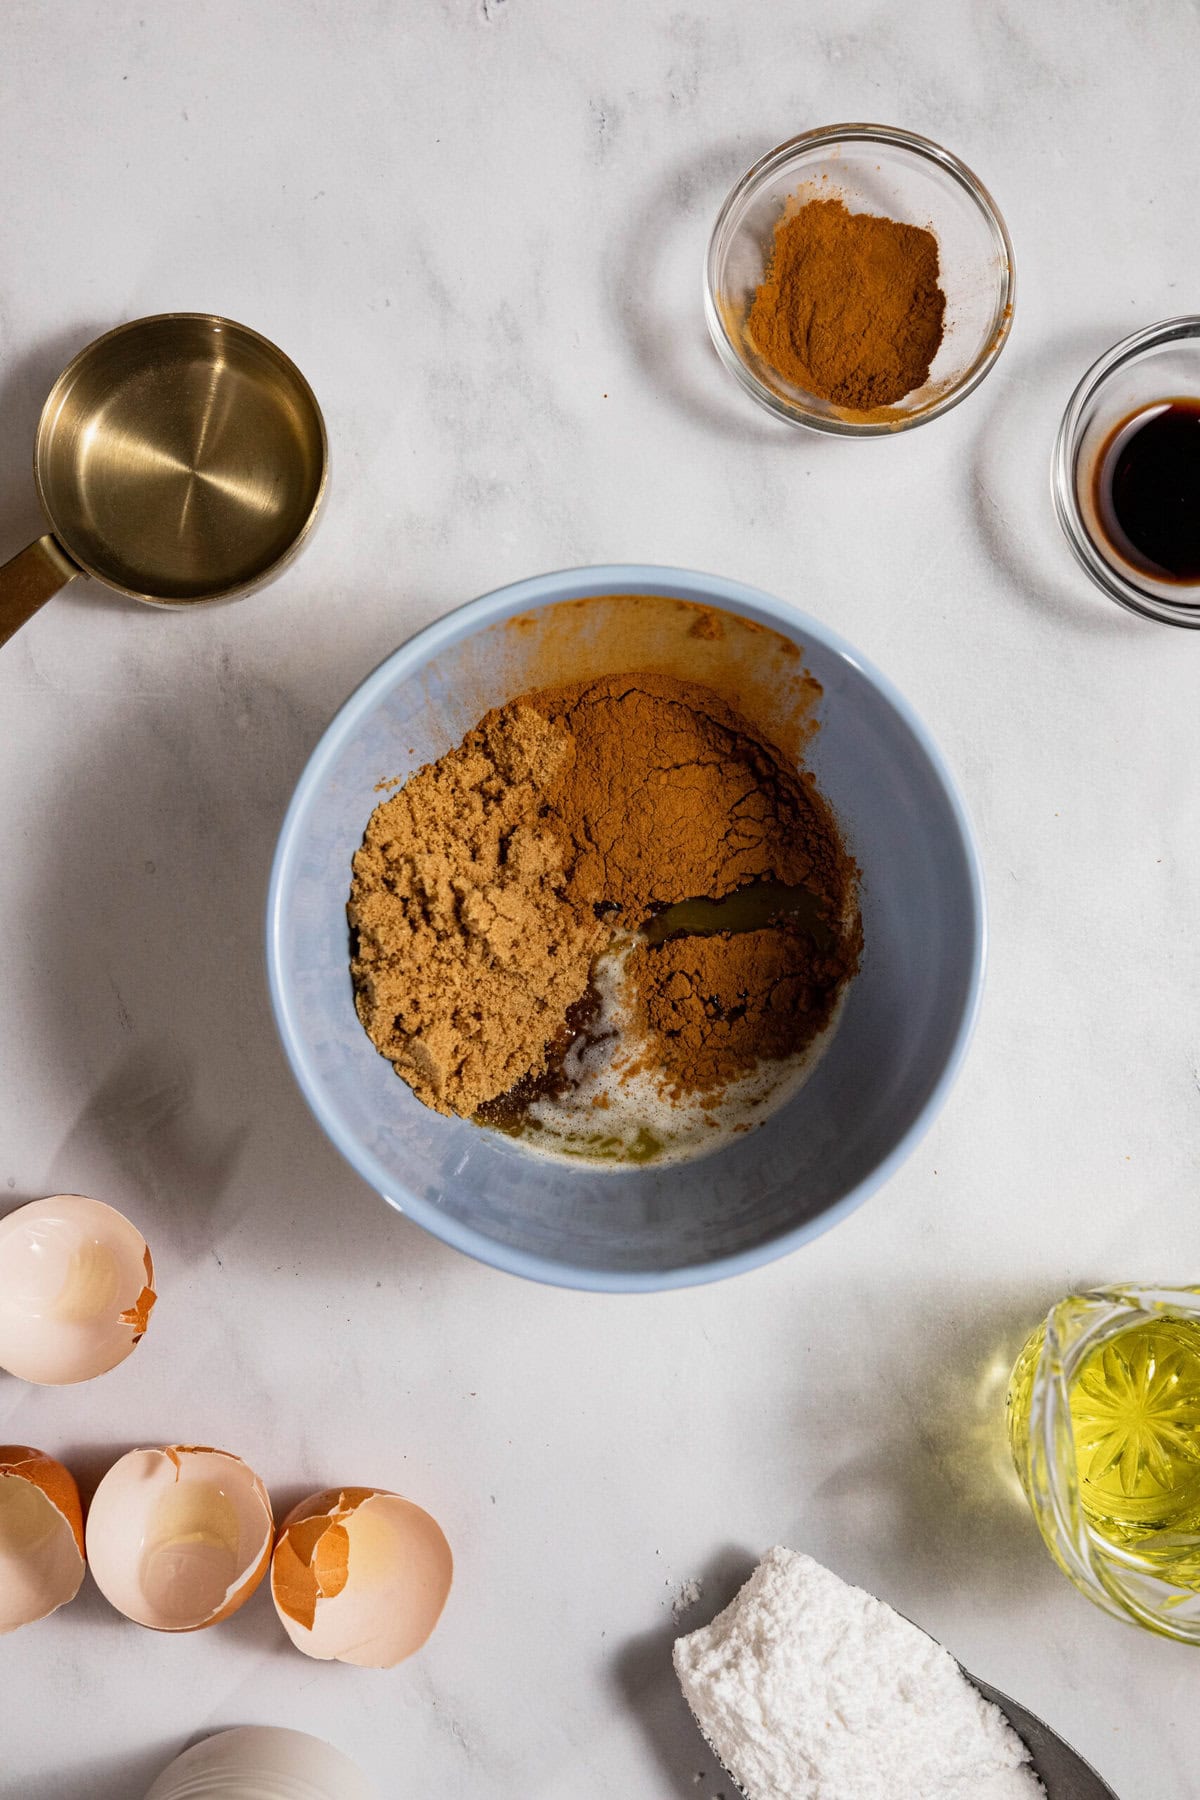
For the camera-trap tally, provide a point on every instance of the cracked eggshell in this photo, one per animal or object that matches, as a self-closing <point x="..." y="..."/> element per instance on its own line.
<point x="179" y="1537"/>
<point x="41" y="1536"/>
<point x="360" y="1576"/>
<point x="76" y="1289"/>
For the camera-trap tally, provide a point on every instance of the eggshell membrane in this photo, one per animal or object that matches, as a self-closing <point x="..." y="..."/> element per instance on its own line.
<point x="360" y="1576"/>
<point x="41" y="1536"/>
<point x="179" y="1537"/>
<point x="76" y="1289"/>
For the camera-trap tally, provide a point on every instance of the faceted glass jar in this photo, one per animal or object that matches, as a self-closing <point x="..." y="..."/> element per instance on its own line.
<point x="1152" y="1580"/>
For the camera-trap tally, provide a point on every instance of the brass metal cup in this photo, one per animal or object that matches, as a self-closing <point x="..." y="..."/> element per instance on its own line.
<point x="179" y="459"/>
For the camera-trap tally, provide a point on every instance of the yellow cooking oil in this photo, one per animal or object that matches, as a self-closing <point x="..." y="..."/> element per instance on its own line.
<point x="1135" y="1416"/>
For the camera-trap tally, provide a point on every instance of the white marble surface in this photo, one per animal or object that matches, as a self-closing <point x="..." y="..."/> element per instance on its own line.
<point x="478" y="227"/>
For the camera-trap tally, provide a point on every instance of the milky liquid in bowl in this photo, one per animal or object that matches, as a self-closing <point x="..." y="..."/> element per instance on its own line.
<point x="612" y="1116"/>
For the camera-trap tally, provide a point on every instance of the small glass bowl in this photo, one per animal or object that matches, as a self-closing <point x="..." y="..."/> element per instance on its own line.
<point x="875" y="169"/>
<point x="1155" y="1583"/>
<point x="1160" y="363"/>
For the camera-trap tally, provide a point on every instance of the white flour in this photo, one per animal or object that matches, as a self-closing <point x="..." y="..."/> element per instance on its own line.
<point x="809" y="1689"/>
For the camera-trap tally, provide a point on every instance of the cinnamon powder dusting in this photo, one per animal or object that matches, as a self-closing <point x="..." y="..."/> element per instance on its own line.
<point x="712" y="1007"/>
<point x="851" y="306"/>
<point x="490" y="884"/>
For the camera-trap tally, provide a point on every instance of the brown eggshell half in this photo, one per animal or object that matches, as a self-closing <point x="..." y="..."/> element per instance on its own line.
<point x="76" y="1289"/>
<point x="179" y="1537"/>
<point x="41" y="1536"/>
<point x="360" y="1575"/>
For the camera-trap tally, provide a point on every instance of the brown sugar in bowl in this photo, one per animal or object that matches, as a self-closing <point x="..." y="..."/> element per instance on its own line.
<point x="908" y="1013"/>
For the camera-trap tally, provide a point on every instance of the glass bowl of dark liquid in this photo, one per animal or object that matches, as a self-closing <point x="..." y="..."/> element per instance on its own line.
<point x="1127" y="472"/>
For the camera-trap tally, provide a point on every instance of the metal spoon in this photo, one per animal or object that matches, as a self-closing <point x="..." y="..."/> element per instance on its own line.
<point x="1061" y="1770"/>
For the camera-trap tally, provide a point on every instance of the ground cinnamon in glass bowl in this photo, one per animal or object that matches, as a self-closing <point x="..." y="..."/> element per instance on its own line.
<point x="859" y="281"/>
<point x="850" y="309"/>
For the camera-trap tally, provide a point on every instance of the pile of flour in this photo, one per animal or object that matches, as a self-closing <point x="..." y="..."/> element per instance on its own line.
<point x="809" y="1689"/>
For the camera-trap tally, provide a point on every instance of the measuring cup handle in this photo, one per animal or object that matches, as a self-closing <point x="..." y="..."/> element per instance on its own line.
<point x="30" y="578"/>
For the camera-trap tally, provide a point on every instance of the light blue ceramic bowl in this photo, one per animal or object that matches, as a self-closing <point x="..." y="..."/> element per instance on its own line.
<point x="902" y="1035"/>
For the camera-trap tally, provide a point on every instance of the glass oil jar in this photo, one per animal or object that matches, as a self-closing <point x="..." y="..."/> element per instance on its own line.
<point x="1104" y="1425"/>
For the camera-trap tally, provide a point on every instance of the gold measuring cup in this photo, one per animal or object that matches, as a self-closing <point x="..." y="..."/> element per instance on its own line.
<point x="178" y="459"/>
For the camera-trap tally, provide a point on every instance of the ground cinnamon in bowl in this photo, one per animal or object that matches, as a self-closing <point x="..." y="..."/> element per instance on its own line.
<point x="850" y="309"/>
<point x="613" y="915"/>
<point x="712" y="1008"/>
